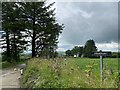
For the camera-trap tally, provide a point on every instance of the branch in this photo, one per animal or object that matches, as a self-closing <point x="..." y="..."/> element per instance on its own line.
<point x="29" y="33"/>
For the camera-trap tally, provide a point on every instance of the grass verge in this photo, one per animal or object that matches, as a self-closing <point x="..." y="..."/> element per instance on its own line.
<point x="67" y="73"/>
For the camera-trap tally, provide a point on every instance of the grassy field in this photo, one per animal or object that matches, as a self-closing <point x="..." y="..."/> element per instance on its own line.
<point x="95" y="63"/>
<point x="70" y="73"/>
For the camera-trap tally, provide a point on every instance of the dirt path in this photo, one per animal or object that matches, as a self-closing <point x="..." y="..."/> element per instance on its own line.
<point x="9" y="78"/>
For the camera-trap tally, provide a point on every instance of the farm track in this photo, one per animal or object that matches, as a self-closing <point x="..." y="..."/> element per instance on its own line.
<point x="9" y="78"/>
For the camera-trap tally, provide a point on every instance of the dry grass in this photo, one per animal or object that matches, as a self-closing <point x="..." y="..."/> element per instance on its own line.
<point x="61" y="73"/>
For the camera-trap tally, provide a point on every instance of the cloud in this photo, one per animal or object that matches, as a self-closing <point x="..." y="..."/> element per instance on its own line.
<point x="85" y="14"/>
<point x="61" y="49"/>
<point x="104" y="47"/>
<point x="84" y="0"/>
<point x="88" y="20"/>
<point x="108" y="46"/>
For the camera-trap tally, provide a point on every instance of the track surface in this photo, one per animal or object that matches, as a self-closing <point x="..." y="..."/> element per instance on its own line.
<point x="9" y="78"/>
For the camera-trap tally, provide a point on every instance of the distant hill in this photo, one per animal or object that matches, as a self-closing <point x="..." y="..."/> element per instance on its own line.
<point x="61" y="53"/>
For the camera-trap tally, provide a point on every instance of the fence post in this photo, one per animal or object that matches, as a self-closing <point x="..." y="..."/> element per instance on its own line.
<point x="101" y="66"/>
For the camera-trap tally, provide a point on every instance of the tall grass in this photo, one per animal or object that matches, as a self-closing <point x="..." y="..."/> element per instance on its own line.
<point x="66" y="73"/>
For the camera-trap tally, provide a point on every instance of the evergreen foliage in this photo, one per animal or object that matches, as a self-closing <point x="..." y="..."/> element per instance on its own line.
<point x="89" y="48"/>
<point x="29" y="24"/>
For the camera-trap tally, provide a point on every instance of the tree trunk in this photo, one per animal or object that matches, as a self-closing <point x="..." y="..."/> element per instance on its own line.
<point x="33" y="38"/>
<point x="15" y="50"/>
<point x="33" y="44"/>
<point x="8" y="46"/>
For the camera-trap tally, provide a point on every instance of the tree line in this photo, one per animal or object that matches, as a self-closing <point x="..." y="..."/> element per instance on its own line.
<point x="81" y="51"/>
<point x="88" y="51"/>
<point x="30" y="24"/>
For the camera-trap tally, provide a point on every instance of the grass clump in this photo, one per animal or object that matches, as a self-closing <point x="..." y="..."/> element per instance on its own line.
<point x="58" y="73"/>
<point x="66" y="73"/>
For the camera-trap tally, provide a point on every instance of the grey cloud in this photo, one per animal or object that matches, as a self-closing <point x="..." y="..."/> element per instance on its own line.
<point x="91" y="20"/>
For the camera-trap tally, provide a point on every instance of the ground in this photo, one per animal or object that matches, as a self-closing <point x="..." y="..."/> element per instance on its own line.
<point x="10" y="77"/>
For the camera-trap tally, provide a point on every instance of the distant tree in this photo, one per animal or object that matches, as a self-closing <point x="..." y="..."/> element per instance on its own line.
<point x="80" y="51"/>
<point x="116" y="54"/>
<point x="68" y="53"/>
<point x="77" y="51"/>
<point x="89" y="48"/>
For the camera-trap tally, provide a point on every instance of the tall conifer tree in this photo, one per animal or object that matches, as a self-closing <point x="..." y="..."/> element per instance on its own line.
<point x="41" y="26"/>
<point x="13" y="28"/>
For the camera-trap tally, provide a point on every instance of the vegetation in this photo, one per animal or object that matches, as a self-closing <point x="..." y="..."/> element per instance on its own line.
<point x="5" y="64"/>
<point x="115" y="54"/>
<point x="34" y="24"/>
<point x="75" y="51"/>
<point x="12" y="25"/>
<point x="30" y="24"/>
<point x="87" y="50"/>
<point x="69" y="73"/>
<point x="41" y="26"/>
<point x="8" y="65"/>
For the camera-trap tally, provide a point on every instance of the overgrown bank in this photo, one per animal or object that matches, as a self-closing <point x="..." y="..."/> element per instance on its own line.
<point x="64" y="73"/>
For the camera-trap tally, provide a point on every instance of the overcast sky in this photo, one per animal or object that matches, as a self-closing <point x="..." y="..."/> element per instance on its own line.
<point x="88" y="20"/>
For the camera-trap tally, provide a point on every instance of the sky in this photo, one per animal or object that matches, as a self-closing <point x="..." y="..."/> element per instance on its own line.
<point x="88" y="20"/>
